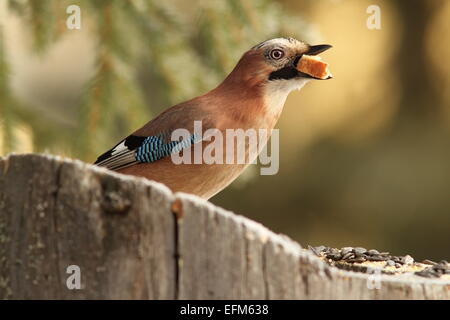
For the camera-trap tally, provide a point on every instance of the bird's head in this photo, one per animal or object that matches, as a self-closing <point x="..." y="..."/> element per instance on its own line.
<point x="273" y="63"/>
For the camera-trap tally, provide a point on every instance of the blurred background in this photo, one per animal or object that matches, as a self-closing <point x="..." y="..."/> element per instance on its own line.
<point x="364" y="158"/>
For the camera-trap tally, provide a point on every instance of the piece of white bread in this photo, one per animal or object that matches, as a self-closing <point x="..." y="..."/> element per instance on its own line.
<point x="313" y="66"/>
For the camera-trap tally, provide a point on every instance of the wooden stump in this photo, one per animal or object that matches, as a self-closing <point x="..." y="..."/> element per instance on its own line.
<point x="134" y="239"/>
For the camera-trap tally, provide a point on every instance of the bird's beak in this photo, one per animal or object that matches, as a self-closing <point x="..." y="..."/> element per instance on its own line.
<point x="314" y="50"/>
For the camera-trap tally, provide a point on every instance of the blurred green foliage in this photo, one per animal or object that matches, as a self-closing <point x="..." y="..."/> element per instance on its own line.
<point x="5" y="105"/>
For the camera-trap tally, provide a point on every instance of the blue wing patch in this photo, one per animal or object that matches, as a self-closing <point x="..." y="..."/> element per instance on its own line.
<point x="135" y="149"/>
<point x="153" y="148"/>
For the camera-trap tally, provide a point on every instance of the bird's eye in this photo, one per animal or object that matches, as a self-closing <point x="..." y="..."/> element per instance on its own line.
<point x="276" y="54"/>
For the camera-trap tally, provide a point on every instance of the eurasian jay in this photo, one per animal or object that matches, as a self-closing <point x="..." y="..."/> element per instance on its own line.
<point x="251" y="96"/>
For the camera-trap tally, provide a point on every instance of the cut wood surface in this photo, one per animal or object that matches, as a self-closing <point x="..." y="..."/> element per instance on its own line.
<point x="134" y="239"/>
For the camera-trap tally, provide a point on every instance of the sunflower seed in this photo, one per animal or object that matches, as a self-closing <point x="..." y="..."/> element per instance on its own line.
<point x="397" y="260"/>
<point x="348" y="255"/>
<point x="408" y="259"/>
<point x="377" y="258"/>
<point x="439" y="267"/>
<point x="346" y="250"/>
<point x="317" y="250"/>
<point x="334" y="251"/>
<point x="424" y="274"/>
<point x="320" y="248"/>
<point x="334" y="256"/>
<point x="356" y="260"/>
<point x="390" y="263"/>
<point x="359" y="250"/>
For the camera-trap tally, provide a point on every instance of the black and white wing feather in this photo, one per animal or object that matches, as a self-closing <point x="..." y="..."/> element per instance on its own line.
<point x="121" y="155"/>
<point x="136" y="149"/>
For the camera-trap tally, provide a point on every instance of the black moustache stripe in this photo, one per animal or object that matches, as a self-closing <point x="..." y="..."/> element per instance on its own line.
<point x="284" y="73"/>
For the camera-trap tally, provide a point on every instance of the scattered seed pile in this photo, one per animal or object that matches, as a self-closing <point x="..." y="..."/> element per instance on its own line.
<point x="362" y="260"/>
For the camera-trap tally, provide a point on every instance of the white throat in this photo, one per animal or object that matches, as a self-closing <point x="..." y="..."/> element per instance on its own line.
<point x="276" y="92"/>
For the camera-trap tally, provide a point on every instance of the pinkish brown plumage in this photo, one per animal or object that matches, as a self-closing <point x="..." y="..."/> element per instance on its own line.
<point x="251" y="97"/>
